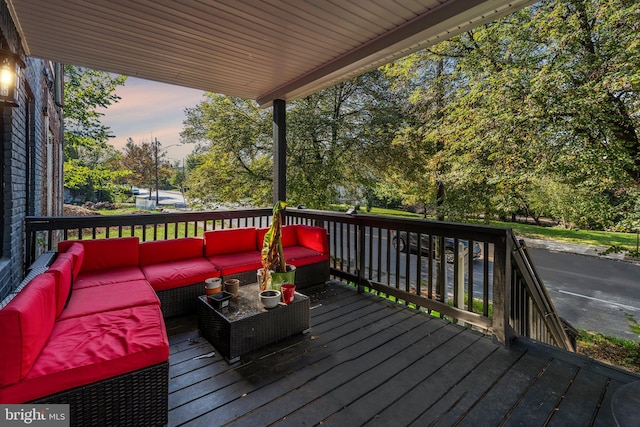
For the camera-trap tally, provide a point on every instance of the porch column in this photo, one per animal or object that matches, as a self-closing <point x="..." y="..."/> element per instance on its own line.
<point x="279" y="151"/>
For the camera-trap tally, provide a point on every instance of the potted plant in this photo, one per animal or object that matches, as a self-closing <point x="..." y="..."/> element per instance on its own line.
<point x="274" y="266"/>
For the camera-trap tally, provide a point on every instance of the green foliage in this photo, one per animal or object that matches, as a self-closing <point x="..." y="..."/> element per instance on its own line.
<point x="89" y="161"/>
<point x="536" y="114"/>
<point x="234" y="155"/>
<point x="633" y="324"/>
<point x="85" y="92"/>
<point x="533" y="114"/>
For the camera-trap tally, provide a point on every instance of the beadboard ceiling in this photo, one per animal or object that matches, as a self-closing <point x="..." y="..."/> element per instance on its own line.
<point x="255" y="49"/>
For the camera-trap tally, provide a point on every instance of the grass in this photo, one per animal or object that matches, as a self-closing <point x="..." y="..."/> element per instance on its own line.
<point x="611" y="350"/>
<point x="606" y="239"/>
<point x="585" y="237"/>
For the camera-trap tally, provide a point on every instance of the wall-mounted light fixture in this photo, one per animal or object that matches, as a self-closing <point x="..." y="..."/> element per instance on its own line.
<point x="10" y="66"/>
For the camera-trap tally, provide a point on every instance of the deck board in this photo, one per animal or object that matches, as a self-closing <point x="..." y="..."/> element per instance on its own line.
<point x="366" y="361"/>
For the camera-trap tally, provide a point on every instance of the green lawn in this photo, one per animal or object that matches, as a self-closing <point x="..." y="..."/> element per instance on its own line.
<point x="605" y="239"/>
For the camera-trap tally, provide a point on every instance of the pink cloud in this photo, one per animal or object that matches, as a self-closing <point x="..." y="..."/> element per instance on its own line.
<point x="150" y="110"/>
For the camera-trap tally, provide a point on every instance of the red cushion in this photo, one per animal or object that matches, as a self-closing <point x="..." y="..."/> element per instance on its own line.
<point x="237" y="263"/>
<point x="116" y="296"/>
<point x="229" y="241"/>
<point x="289" y="236"/>
<point x="76" y="250"/>
<point x="83" y="350"/>
<point x="171" y="275"/>
<point x="299" y="262"/>
<point x="315" y="238"/>
<point x="171" y="250"/>
<point x="108" y="276"/>
<point x="26" y="324"/>
<point x="100" y="254"/>
<point x="62" y="269"/>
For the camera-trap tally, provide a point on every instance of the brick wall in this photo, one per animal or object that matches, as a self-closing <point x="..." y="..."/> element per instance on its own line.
<point x="24" y="166"/>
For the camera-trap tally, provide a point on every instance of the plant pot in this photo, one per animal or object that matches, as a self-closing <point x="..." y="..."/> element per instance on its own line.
<point x="270" y="298"/>
<point x="277" y="279"/>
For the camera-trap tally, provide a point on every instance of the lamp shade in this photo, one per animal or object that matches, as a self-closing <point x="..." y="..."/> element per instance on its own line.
<point x="10" y="66"/>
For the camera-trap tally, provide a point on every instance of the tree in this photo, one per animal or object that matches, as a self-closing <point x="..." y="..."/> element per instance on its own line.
<point x="142" y="161"/>
<point x="329" y="137"/>
<point x="233" y="161"/>
<point x="86" y="151"/>
<point x="547" y="95"/>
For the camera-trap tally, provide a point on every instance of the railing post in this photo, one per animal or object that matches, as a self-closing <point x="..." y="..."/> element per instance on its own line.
<point x="459" y="284"/>
<point x="502" y="330"/>
<point x="360" y="253"/>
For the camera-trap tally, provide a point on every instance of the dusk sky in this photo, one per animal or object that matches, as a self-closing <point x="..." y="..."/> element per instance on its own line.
<point x="151" y="110"/>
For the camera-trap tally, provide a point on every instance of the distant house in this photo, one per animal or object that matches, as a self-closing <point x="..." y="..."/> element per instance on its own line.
<point x="31" y="155"/>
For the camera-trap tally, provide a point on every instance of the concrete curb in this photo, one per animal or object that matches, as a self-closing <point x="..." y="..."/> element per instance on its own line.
<point x="574" y="248"/>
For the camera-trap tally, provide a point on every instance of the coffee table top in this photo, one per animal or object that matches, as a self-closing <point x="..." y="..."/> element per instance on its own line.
<point x="248" y="304"/>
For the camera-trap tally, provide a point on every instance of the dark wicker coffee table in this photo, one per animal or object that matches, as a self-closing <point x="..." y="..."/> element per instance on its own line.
<point x="245" y="325"/>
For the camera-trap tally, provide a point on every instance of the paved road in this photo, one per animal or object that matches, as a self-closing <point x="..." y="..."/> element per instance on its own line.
<point x="165" y="198"/>
<point x="591" y="292"/>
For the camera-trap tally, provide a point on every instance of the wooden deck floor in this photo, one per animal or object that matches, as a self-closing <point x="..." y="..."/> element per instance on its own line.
<point x="369" y="362"/>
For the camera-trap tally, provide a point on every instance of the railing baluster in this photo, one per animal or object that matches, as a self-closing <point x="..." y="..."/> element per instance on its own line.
<point x="511" y="300"/>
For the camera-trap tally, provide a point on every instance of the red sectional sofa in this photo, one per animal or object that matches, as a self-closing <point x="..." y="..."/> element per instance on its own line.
<point x="91" y="328"/>
<point x="88" y="346"/>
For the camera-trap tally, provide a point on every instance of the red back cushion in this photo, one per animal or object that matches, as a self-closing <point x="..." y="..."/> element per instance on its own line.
<point x="232" y="240"/>
<point x="62" y="270"/>
<point x="100" y="254"/>
<point x="315" y="238"/>
<point x="289" y="236"/>
<point x="76" y="251"/>
<point x="170" y="250"/>
<point x="25" y="326"/>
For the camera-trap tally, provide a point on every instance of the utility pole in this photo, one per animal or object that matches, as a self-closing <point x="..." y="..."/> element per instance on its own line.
<point x="157" y="195"/>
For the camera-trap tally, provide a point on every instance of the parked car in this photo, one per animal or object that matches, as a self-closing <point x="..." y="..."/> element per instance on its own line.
<point x="399" y="241"/>
<point x="135" y="191"/>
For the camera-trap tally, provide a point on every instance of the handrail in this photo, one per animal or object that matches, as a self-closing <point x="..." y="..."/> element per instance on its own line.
<point x="497" y="291"/>
<point x="539" y="296"/>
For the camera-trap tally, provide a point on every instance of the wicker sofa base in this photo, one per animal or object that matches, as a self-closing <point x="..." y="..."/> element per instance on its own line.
<point x="180" y="300"/>
<point x="246" y="277"/>
<point x="306" y="275"/>
<point x="312" y="274"/>
<point x="139" y="398"/>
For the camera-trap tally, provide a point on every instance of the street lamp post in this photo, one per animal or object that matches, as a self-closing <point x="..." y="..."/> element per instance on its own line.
<point x="157" y="144"/>
<point x="157" y="194"/>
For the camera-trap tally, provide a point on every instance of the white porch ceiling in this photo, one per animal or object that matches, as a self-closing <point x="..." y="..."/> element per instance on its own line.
<point x="254" y="49"/>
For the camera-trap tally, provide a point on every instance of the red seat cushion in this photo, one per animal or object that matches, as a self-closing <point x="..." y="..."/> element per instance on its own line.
<point x="169" y="275"/>
<point x="98" y="299"/>
<point x="83" y="350"/>
<point x="171" y="250"/>
<point x="299" y="256"/>
<point x="237" y="263"/>
<point x="101" y="254"/>
<point x="108" y="276"/>
<point x="62" y="268"/>
<point x="25" y="326"/>
<point x="232" y="240"/>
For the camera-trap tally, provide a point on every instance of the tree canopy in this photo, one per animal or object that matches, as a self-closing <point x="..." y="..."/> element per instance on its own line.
<point x="535" y="114"/>
<point x="90" y="164"/>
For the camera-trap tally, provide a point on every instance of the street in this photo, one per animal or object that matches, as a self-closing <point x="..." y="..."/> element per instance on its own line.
<point x="591" y="293"/>
<point x="165" y="198"/>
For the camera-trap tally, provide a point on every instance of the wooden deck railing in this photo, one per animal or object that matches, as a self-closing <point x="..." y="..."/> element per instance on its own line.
<point x="498" y="291"/>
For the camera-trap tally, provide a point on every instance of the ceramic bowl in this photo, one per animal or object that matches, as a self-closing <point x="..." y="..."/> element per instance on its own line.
<point x="270" y="298"/>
